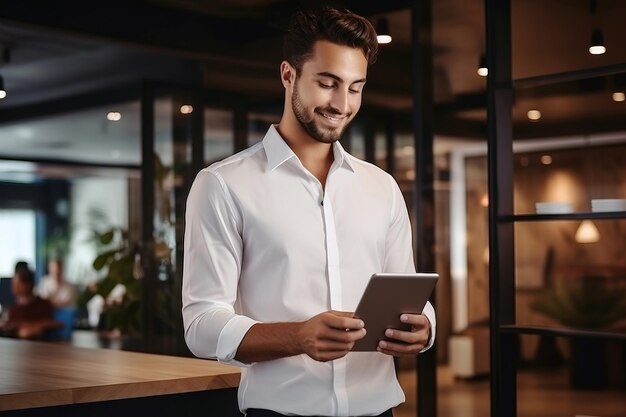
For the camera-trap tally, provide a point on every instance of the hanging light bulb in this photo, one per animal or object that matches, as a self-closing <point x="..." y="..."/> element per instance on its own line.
<point x="483" y="71"/>
<point x="3" y="92"/>
<point x="382" y="31"/>
<point x="597" y="43"/>
<point x="587" y="232"/>
<point x="618" y="96"/>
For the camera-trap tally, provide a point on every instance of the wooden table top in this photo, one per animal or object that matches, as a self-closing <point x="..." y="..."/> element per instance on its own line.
<point x="39" y="374"/>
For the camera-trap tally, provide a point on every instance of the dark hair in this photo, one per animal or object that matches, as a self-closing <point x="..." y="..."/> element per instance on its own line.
<point x="26" y="276"/>
<point x="337" y="26"/>
<point x="19" y="265"/>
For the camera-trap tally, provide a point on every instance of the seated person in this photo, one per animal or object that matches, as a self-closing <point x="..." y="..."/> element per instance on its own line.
<point x="55" y="289"/>
<point x="30" y="315"/>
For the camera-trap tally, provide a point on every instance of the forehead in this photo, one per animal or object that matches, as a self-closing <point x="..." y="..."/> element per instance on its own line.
<point x="347" y="63"/>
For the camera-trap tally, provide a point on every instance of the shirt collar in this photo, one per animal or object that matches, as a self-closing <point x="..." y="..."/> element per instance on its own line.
<point x="278" y="152"/>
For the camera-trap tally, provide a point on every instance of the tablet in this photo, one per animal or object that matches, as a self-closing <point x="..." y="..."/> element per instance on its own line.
<point x="386" y="297"/>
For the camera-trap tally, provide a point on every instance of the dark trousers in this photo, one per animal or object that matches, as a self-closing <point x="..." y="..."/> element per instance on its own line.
<point x="257" y="412"/>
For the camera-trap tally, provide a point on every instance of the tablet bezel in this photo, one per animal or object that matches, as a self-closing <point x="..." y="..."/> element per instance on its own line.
<point x="386" y="297"/>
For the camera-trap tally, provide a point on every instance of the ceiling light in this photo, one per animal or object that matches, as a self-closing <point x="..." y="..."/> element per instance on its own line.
<point x="382" y="31"/>
<point x="114" y="116"/>
<point x="483" y="71"/>
<point x="597" y="43"/>
<point x="546" y="159"/>
<point x="534" y="115"/>
<point x="587" y="232"/>
<point x="619" y="96"/>
<point x="3" y="92"/>
<point x="186" y="109"/>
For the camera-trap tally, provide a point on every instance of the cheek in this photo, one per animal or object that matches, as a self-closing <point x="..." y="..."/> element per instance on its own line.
<point x="356" y="103"/>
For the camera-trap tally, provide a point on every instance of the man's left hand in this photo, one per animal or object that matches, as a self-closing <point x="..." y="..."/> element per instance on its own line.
<point x="407" y="343"/>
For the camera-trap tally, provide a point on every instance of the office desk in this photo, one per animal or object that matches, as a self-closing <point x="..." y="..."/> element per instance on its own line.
<point x="38" y="378"/>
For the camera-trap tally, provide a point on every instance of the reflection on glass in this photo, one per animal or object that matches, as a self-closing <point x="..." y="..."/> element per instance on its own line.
<point x="218" y="135"/>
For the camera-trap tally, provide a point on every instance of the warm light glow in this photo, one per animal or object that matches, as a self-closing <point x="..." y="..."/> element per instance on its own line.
<point x="3" y="94"/>
<point x="597" y="49"/>
<point x="534" y="115"/>
<point x="619" y="96"/>
<point x="587" y="232"/>
<point x="546" y="159"/>
<point x="186" y="109"/>
<point x="410" y="174"/>
<point x="484" y="200"/>
<point x="407" y="150"/>
<point x="483" y="71"/>
<point x="114" y="116"/>
<point x="384" y="38"/>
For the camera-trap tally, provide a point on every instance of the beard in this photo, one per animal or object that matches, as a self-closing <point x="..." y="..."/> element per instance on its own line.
<point x="320" y="134"/>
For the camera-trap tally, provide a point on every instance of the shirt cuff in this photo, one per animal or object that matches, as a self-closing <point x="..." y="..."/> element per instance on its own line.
<point x="429" y="312"/>
<point x="230" y="338"/>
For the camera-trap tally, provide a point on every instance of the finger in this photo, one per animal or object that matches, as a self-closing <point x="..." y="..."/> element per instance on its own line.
<point x="342" y="313"/>
<point x="343" y="322"/>
<point x="415" y="336"/>
<point x="399" y="349"/>
<point x="344" y="335"/>
<point x="418" y="321"/>
<point x="330" y="346"/>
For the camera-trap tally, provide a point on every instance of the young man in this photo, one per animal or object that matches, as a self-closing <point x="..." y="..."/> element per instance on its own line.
<point x="282" y="238"/>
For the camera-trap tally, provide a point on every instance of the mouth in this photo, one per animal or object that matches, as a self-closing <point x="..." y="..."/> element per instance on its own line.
<point x="331" y="117"/>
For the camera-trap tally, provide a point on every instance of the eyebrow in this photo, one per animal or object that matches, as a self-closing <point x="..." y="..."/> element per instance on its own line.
<point x="336" y="77"/>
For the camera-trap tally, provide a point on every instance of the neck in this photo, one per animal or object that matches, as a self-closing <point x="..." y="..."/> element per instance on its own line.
<point x="316" y="157"/>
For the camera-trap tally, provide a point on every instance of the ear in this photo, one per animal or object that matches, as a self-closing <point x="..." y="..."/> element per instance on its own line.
<point x="287" y="74"/>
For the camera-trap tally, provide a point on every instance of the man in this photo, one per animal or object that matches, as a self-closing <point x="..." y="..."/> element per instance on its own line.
<point x="54" y="288"/>
<point x="282" y="238"/>
<point x="30" y="316"/>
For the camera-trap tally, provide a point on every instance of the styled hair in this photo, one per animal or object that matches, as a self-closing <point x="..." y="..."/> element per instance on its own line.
<point x="334" y="25"/>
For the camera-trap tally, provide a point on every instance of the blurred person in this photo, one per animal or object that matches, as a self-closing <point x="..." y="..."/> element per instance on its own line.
<point x="30" y="316"/>
<point x="54" y="288"/>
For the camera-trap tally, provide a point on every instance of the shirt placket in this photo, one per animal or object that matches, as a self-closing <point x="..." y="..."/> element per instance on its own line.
<point x="336" y="303"/>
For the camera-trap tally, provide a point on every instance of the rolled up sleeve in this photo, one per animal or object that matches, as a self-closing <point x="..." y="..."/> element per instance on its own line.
<point x="211" y="269"/>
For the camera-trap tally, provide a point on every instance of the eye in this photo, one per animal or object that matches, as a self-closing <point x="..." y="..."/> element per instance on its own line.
<point x="326" y="85"/>
<point x="353" y="91"/>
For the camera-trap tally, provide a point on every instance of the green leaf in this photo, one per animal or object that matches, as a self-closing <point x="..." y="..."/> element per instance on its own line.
<point x="107" y="237"/>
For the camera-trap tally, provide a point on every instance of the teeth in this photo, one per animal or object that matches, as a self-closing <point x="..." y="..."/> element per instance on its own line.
<point x="329" y="117"/>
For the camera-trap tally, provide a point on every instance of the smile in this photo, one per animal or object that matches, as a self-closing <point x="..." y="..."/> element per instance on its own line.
<point x="332" y="118"/>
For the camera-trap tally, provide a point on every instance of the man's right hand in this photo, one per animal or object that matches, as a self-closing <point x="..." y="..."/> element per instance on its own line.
<point x="327" y="336"/>
<point x="330" y="335"/>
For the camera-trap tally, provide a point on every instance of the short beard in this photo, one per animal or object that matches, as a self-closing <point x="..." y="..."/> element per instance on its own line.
<point x="308" y="123"/>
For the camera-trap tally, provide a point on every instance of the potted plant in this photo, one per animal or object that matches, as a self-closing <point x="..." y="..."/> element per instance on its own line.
<point x="587" y="303"/>
<point x="121" y="282"/>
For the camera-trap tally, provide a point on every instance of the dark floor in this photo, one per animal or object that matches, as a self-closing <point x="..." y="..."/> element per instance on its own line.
<point x="541" y="393"/>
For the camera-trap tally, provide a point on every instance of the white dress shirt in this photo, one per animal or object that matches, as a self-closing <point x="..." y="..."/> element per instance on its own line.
<point x="61" y="295"/>
<point x="265" y="243"/>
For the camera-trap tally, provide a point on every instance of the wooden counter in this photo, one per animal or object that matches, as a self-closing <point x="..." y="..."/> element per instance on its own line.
<point x="38" y="374"/>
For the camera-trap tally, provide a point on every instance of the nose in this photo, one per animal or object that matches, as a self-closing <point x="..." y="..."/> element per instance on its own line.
<point x="341" y="101"/>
